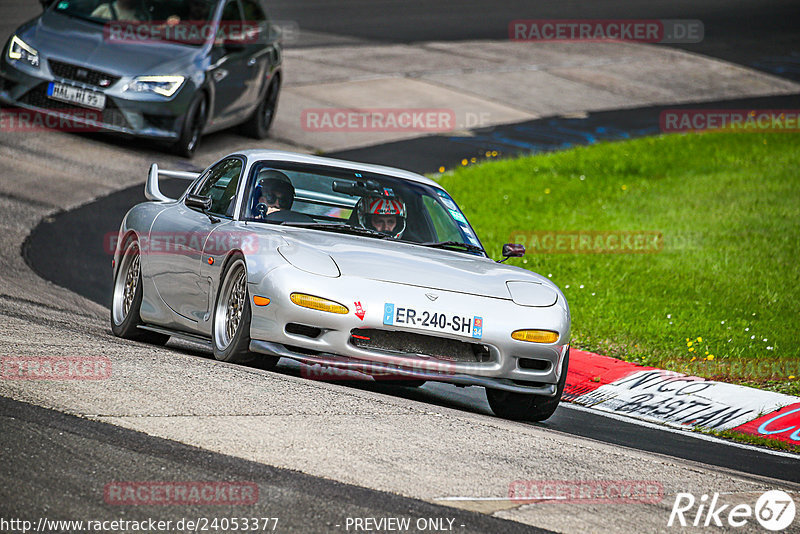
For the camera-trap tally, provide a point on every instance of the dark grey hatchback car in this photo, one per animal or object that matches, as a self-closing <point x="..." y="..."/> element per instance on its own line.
<point x="170" y="70"/>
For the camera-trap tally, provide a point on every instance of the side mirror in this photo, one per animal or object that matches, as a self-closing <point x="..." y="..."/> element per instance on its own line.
<point x="199" y="202"/>
<point x="513" y="250"/>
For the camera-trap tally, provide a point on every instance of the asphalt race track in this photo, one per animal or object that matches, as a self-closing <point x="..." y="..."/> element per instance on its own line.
<point x="86" y="452"/>
<point x="88" y="274"/>
<point x="749" y="32"/>
<point x="321" y="453"/>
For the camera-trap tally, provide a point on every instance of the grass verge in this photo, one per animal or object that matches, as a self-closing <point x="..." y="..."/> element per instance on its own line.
<point x="719" y="298"/>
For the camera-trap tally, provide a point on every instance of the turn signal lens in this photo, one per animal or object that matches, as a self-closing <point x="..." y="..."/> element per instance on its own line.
<point x="260" y="301"/>
<point x="535" y="336"/>
<point x="317" y="303"/>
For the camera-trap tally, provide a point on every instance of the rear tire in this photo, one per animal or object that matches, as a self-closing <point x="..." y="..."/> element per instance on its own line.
<point x="525" y="407"/>
<point x="192" y="129"/>
<point x="126" y="299"/>
<point x="258" y="125"/>
<point x="230" y="332"/>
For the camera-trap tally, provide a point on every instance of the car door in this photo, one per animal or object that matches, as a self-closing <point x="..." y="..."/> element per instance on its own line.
<point x="234" y="71"/>
<point x="181" y="234"/>
<point x="263" y="49"/>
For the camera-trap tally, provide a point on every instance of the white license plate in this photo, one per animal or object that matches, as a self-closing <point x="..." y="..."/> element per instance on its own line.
<point x="76" y="95"/>
<point x="465" y="325"/>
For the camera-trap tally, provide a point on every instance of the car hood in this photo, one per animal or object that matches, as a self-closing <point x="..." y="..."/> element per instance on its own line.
<point x="414" y="265"/>
<point x="82" y="42"/>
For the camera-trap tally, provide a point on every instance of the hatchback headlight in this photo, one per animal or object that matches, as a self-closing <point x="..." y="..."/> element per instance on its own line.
<point x="162" y="85"/>
<point x="22" y="51"/>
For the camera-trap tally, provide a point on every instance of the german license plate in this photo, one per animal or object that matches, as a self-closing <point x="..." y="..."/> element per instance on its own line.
<point x="464" y="325"/>
<point x="76" y="95"/>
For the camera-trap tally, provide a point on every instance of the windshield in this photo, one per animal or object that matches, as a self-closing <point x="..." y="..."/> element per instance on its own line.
<point x="182" y="21"/>
<point x="356" y="202"/>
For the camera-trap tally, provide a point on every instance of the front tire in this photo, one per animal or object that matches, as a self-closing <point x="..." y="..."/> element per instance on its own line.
<point x="258" y="125"/>
<point x="192" y="129"/>
<point x="525" y="407"/>
<point x="127" y="298"/>
<point x="230" y="332"/>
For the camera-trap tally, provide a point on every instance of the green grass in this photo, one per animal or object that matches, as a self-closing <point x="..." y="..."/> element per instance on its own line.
<point x="751" y="439"/>
<point x="728" y="206"/>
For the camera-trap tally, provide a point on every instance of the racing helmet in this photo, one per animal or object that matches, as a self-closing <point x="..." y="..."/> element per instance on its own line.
<point x="375" y="205"/>
<point x="271" y="182"/>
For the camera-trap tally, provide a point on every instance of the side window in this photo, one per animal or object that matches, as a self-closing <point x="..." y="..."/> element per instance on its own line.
<point x="446" y="228"/>
<point x="221" y="185"/>
<point x="253" y="13"/>
<point x="231" y="12"/>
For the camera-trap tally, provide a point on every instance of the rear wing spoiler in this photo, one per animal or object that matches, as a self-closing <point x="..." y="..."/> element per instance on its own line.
<point x="151" y="189"/>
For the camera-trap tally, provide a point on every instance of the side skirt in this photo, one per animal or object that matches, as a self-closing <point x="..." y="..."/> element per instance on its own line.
<point x="176" y="333"/>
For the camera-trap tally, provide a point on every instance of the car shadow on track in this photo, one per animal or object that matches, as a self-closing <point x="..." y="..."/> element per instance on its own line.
<point x="467" y="399"/>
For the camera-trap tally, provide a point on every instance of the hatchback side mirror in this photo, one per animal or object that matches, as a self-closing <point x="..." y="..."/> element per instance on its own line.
<point x="512" y="250"/>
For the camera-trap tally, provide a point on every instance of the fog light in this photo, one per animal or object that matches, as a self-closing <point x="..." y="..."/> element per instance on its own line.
<point x="317" y="303"/>
<point x="535" y="336"/>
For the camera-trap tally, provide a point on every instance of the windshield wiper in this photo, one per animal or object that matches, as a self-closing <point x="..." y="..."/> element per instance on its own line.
<point x="452" y="244"/>
<point x="334" y="227"/>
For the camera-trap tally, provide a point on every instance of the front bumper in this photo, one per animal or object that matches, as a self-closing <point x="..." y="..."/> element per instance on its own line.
<point x="140" y="115"/>
<point x="507" y="365"/>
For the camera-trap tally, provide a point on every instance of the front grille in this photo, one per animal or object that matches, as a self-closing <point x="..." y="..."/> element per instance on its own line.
<point x="440" y="348"/>
<point x="37" y="97"/>
<point x="82" y="74"/>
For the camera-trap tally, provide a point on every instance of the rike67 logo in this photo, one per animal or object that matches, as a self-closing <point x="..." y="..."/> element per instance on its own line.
<point x="774" y="510"/>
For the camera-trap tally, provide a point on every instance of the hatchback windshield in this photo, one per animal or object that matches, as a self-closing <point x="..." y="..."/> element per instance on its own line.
<point x="168" y="11"/>
<point x="362" y="203"/>
<point x="180" y="21"/>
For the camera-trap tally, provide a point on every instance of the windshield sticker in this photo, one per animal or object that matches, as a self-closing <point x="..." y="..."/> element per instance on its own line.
<point x="448" y="202"/>
<point x="62" y="5"/>
<point x="470" y="235"/>
<point x="457" y="216"/>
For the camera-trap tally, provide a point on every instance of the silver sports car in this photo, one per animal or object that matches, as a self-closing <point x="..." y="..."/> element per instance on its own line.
<point x="350" y="266"/>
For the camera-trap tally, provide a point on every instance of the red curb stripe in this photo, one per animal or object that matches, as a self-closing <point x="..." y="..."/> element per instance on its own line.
<point x="781" y="425"/>
<point x="588" y="371"/>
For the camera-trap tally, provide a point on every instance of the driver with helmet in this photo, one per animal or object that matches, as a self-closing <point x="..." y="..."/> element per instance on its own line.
<point x="273" y="193"/>
<point x="385" y="215"/>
